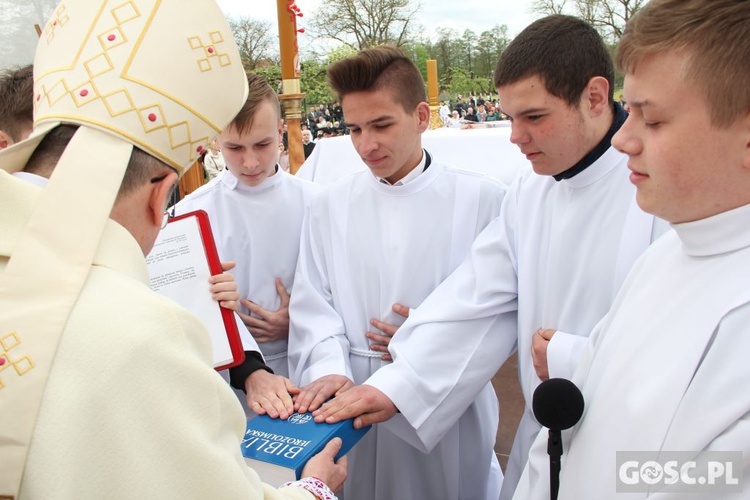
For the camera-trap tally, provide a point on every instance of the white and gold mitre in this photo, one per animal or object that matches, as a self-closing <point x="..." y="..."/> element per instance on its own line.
<point x="161" y="75"/>
<point x="164" y="75"/>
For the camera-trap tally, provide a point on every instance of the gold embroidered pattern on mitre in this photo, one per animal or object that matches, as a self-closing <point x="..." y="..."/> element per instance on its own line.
<point x="107" y="83"/>
<point x="58" y="19"/>
<point x="20" y="364"/>
<point x="209" y="51"/>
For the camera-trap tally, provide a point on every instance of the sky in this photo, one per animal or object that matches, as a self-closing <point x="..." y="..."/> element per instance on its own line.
<point x="476" y="15"/>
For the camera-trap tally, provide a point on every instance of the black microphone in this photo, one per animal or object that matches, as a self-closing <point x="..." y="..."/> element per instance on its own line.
<point x="557" y="405"/>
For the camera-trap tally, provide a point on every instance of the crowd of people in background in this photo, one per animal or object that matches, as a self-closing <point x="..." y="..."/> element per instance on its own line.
<point x="479" y="108"/>
<point x="325" y="120"/>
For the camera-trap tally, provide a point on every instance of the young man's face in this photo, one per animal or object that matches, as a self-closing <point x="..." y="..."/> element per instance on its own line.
<point x="387" y="138"/>
<point x="252" y="156"/>
<point x="683" y="167"/>
<point x="306" y="136"/>
<point x="553" y="135"/>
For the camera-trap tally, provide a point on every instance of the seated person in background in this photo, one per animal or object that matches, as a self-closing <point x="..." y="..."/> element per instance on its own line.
<point x="444" y="112"/>
<point x="481" y="113"/>
<point x="307" y="143"/>
<point x="492" y="114"/>
<point x="471" y="116"/>
<point x="455" y="120"/>
<point x="213" y="160"/>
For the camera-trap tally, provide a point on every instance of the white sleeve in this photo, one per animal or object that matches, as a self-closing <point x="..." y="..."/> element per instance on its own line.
<point x="455" y="341"/>
<point x="248" y="341"/>
<point x="318" y="344"/>
<point x="563" y="353"/>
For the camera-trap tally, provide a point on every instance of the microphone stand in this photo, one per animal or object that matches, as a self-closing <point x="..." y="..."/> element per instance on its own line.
<point x="555" y="451"/>
<point x="558" y="405"/>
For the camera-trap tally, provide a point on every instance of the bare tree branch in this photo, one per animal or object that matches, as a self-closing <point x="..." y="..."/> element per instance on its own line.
<point x="548" y="7"/>
<point x="253" y="39"/>
<point x="607" y="16"/>
<point x="365" y="23"/>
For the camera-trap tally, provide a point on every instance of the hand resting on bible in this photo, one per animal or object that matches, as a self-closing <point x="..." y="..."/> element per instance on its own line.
<point x="368" y="404"/>
<point x="319" y="391"/>
<point x="270" y="394"/>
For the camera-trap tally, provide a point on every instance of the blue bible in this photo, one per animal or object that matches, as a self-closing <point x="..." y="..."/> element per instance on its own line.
<point x="279" y="449"/>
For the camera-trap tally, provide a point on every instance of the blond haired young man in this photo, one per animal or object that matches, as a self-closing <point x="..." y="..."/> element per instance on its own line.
<point x="256" y="211"/>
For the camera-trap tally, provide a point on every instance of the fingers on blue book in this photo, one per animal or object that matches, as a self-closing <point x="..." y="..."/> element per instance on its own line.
<point x="279" y="449"/>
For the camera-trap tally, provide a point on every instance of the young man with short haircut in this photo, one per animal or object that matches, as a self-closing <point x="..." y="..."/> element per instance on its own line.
<point x="256" y="212"/>
<point x="390" y="234"/>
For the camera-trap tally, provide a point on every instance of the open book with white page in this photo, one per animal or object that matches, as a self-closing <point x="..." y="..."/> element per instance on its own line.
<point x="179" y="265"/>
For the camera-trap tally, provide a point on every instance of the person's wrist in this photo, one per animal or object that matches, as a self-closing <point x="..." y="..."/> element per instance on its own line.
<point x="315" y="486"/>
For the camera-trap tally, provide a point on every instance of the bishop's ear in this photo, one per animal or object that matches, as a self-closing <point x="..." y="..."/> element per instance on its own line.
<point x="5" y="140"/>
<point x="161" y="192"/>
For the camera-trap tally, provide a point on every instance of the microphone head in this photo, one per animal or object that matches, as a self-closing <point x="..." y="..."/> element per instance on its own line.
<point x="557" y="404"/>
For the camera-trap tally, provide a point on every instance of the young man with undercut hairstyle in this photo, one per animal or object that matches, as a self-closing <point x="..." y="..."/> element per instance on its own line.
<point x="386" y="235"/>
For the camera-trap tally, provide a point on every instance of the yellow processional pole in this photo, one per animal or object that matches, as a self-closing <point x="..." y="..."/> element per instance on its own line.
<point x="291" y="96"/>
<point x="432" y="94"/>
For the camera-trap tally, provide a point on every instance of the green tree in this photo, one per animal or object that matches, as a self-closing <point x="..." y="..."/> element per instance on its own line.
<point x="470" y="47"/>
<point x="490" y="45"/>
<point x="314" y="84"/>
<point x="459" y="81"/>
<point x="272" y="74"/>
<point x="445" y="50"/>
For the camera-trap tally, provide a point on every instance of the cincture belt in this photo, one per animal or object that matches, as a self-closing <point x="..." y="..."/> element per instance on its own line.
<point x="365" y="352"/>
